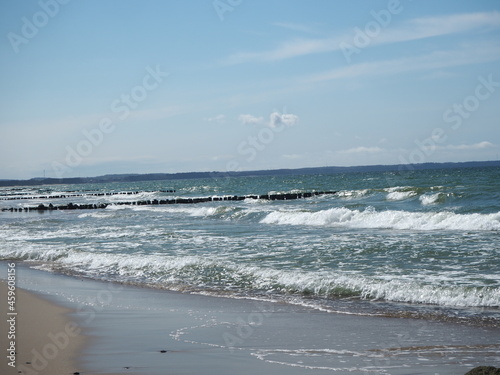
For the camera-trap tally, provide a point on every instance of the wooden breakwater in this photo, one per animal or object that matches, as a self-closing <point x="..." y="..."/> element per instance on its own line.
<point x="26" y="196"/>
<point x="90" y="206"/>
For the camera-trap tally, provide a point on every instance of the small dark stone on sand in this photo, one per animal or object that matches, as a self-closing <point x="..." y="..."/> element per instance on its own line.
<point x="484" y="370"/>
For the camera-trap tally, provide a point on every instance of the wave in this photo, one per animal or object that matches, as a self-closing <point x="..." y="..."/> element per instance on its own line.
<point x="353" y="194"/>
<point x="96" y="215"/>
<point x="391" y="219"/>
<point x="195" y="211"/>
<point x="200" y="274"/>
<point x="430" y="199"/>
<point x="331" y="284"/>
<point x="400" y="195"/>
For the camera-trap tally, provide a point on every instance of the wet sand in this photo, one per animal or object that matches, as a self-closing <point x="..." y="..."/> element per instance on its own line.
<point x="135" y="330"/>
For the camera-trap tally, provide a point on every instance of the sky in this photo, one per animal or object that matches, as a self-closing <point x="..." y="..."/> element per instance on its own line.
<point x="120" y="86"/>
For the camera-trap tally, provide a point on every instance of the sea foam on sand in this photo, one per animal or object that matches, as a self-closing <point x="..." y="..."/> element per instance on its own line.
<point x="147" y="331"/>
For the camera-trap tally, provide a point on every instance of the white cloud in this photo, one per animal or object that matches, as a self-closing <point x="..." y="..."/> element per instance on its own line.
<point x="466" y="54"/>
<point x="288" y="119"/>
<point x="463" y="147"/>
<point x="292" y="156"/>
<point x="275" y="119"/>
<point x="249" y="119"/>
<point x="362" y="150"/>
<point x="296" y="47"/>
<point x="414" y="29"/>
<point x="426" y="27"/>
<point x="219" y="119"/>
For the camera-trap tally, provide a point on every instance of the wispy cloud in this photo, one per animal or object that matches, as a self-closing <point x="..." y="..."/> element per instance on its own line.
<point x="288" y="119"/>
<point x="464" y="147"/>
<point x="294" y="27"/>
<point x="218" y="119"/>
<point x="427" y="27"/>
<point x="275" y="119"/>
<point x="449" y="147"/>
<point x="414" y="29"/>
<point x="464" y="55"/>
<point x="294" y="48"/>
<point x="362" y="150"/>
<point x="247" y="119"/>
<point x="292" y="156"/>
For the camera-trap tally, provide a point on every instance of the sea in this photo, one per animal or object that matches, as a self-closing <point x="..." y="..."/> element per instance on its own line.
<point x="423" y="243"/>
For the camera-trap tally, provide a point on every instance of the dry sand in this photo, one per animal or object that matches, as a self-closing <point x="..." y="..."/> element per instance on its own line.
<point x="46" y="340"/>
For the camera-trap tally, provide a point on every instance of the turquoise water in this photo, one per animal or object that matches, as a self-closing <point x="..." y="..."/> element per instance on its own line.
<point x="424" y="243"/>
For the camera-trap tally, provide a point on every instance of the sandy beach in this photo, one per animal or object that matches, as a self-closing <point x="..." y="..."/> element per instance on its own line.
<point x="43" y="339"/>
<point x="145" y="331"/>
<point x="228" y="187"/>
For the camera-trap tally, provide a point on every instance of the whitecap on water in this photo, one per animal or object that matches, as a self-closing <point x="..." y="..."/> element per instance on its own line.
<point x="389" y="219"/>
<point x="428" y="199"/>
<point x="400" y="195"/>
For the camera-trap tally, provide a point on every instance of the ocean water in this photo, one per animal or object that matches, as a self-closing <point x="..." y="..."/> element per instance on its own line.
<point x="422" y="243"/>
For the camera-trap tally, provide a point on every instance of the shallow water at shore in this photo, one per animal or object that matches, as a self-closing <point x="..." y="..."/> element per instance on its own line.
<point x="146" y="331"/>
<point x="423" y="244"/>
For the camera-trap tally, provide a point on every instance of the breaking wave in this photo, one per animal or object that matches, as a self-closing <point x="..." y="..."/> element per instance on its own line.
<point x="429" y="199"/>
<point x="390" y="219"/>
<point x="199" y="274"/>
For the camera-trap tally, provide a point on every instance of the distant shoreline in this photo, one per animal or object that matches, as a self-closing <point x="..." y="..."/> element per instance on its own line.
<point x="131" y="177"/>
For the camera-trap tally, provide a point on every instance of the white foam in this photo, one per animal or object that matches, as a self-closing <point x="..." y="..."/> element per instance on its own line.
<point x="202" y="211"/>
<point x="390" y="219"/>
<point x="194" y="211"/>
<point x="194" y="272"/>
<point x="429" y="199"/>
<point x="392" y="289"/>
<point x="330" y="358"/>
<point x="352" y="194"/>
<point x="252" y="201"/>
<point x="115" y="207"/>
<point x="121" y="197"/>
<point x="400" y="195"/>
<point x="98" y="215"/>
<point x="397" y="188"/>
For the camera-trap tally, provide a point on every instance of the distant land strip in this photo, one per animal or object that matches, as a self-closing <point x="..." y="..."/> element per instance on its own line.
<point x="90" y="206"/>
<point x="401" y="168"/>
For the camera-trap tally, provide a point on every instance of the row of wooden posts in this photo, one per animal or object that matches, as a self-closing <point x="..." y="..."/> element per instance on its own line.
<point x="90" y="206"/>
<point x="13" y="197"/>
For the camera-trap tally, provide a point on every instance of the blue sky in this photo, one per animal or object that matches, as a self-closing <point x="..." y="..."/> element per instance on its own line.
<point x="97" y="87"/>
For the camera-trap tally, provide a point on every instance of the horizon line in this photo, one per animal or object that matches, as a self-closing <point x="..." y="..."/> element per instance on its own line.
<point x="250" y="170"/>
